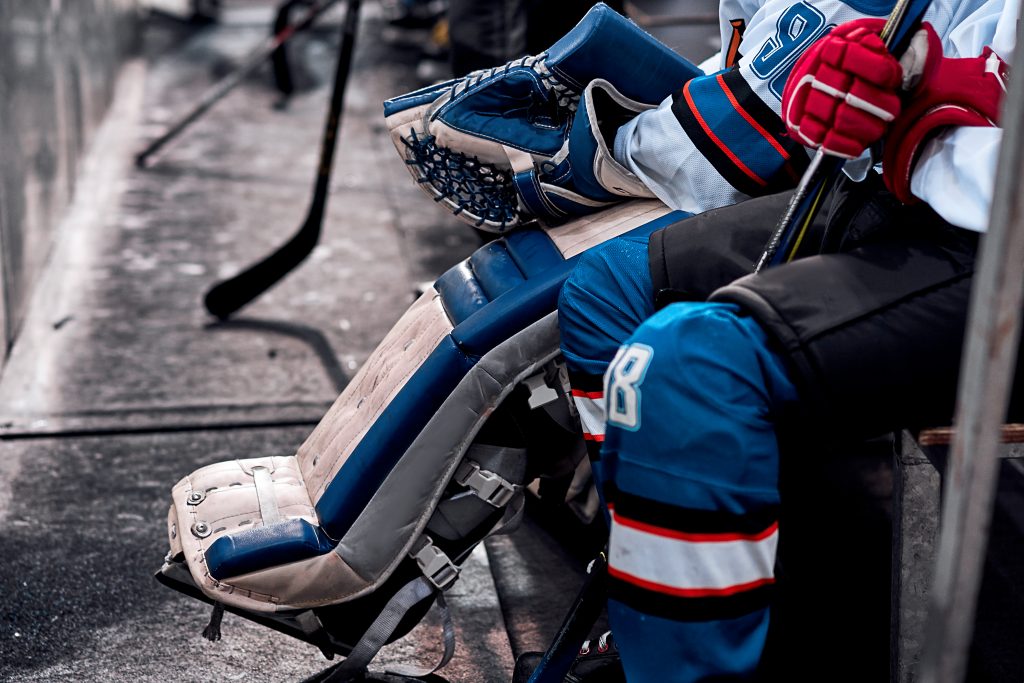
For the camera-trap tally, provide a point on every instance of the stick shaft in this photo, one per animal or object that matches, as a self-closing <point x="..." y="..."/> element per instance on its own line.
<point x="227" y="297"/>
<point x="823" y="171"/>
<point x="221" y="88"/>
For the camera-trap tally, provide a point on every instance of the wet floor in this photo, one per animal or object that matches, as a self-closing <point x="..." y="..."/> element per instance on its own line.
<point x="120" y="384"/>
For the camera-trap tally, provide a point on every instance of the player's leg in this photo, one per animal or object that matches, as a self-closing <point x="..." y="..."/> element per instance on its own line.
<point x="619" y="285"/>
<point x="872" y="335"/>
<point x="608" y="294"/>
<point x="691" y="466"/>
<point x="861" y="342"/>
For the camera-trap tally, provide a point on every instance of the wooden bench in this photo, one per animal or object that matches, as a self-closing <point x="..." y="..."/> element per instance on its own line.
<point x="917" y="488"/>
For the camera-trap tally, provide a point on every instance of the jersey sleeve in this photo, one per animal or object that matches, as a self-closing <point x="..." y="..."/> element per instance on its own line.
<point x="720" y="138"/>
<point x="956" y="172"/>
<point x="956" y="175"/>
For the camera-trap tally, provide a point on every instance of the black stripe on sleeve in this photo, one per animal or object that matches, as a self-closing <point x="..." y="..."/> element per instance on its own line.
<point x="582" y="381"/>
<point x="786" y="174"/>
<point x="689" y="520"/>
<point x="710" y="150"/>
<point x="690" y="609"/>
<point x="769" y="120"/>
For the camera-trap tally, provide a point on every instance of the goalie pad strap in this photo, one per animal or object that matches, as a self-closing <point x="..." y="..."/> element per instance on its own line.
<point x="269" y="511"/>
<point x="448" y="639"/>
<point x="380" y="631"/>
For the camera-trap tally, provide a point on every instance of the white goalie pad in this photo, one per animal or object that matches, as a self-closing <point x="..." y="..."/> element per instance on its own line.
<point x="335" y="521"/>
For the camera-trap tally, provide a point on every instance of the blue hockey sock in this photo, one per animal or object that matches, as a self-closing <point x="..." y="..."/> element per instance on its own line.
<point x="691" y="466"/>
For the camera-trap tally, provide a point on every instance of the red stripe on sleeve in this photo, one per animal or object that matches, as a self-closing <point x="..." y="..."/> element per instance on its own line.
<point x="588" y="394"/>
<point x="750" y="119"/>
<point x="718" y="142"/>
<point x="693" y="537"/>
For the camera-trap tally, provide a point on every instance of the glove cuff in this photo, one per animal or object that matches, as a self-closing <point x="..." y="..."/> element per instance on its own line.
<point x="899" y="159"/>
<point x="953" y="92"/>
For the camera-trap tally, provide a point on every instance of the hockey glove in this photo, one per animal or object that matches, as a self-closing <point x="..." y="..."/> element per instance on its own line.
<point x="943" y="92"/>
<point x="844" y="95"/>
<point x="463" y="140"/>
<point x="843" y="92"/>
<point x="584" y="177"/>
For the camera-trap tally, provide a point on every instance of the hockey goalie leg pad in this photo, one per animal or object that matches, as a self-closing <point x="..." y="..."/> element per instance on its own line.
<point x="462" y="140"/>
<point x="333" y="523"/>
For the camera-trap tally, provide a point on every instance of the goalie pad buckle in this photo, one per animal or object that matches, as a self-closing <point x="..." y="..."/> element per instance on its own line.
<point x="435" y="565"/>
<point x="488" y="486"/>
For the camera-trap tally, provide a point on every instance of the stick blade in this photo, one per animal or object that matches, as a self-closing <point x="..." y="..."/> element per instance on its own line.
<point x="226" y="297"/>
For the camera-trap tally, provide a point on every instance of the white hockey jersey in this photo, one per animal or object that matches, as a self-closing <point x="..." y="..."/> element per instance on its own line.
<point x="957" y="170"/>
<point x="720" y="139"/>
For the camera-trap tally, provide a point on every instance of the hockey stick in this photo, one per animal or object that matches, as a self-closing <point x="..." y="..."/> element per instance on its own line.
<point x="227" y="297"/>
<point x="585" y="610"/>
<point x="225" y="85"/>
<point x="823" y="170"/>
<point x="279" y="57"/>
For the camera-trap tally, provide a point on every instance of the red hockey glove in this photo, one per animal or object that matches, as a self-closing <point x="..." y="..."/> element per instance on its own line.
<point x="943" y="92"/>
<point x="843" y="96"/>
<point x="843" y="91"/>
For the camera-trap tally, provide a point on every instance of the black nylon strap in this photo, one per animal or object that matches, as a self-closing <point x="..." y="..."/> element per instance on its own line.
<point x="377" y="635"/>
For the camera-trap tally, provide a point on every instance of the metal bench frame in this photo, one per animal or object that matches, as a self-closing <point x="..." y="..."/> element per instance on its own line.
<point x="916" y="502"/>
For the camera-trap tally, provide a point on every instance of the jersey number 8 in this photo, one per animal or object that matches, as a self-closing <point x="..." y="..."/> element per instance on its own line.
<point x="622" y="385"/>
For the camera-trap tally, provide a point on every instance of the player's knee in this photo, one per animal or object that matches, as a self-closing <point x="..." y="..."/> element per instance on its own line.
<point x="704" y="359"/>
<point x="577" y="301"/>
<point x="605" y="297"/>
<point x="700" y="332"/>
<point x="694" y="382"/>
<point x="697" y="358"/>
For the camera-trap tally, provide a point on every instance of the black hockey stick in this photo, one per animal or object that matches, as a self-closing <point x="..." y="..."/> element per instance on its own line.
<point x="221" y="88"/>
<point x="823" y="171"/>
<point x="279" y="61"/>
<point x="585" y="610"/>
<point x="227" y="297"/>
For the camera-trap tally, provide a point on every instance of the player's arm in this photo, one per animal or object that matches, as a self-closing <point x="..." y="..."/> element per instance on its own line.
<point x="956" y="172"/>
<point x="941" y="141"/>
<point x="720" y="138"/>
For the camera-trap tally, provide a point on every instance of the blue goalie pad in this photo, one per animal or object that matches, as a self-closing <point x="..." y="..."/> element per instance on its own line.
<point x="331" y="524"/>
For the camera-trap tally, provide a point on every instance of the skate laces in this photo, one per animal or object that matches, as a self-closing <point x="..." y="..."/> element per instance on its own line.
<point x="566" y="97"/>
<point x="485" y="193"/>
<point x="603" y="643"/>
